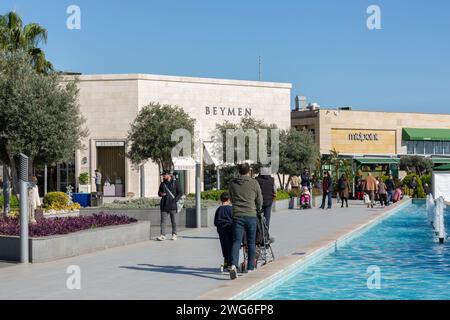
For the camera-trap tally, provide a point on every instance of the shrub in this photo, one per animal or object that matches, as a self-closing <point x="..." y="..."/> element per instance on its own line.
<point x="14" y="202"/>
<point x="426" y="179"/>
<point x="419" y="192"/>
<point x="209" y="195"/>
<point x="151" y="203"/>
<point x="282" y="195"/>
<point x="57" y="226"/>
<point x="83" y="178"/>
<point x="56" y="200"/>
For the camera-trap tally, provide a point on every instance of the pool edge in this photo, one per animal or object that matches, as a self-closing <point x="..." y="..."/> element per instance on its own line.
<point x="286" y="266"/>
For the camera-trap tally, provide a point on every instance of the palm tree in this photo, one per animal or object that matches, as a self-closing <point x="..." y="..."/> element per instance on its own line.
<point x="14" y="36"/>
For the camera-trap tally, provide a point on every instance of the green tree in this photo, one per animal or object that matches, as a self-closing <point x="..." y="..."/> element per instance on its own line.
<point x="39" y="115"/>
<point x="151" y="132"/>
<point x="416" y="164"/>
<point x="297" y="151"/>
<point x="14" y="36"/>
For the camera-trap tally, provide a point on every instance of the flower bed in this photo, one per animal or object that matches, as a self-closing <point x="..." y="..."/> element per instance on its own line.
<point x="60" y="226"/>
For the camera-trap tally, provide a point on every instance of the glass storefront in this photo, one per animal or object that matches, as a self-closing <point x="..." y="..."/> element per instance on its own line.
<point x="111" y="164"/>
<point x="428" y="147"/>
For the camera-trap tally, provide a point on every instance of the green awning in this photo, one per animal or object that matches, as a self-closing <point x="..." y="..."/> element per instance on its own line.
<point x="445" y="167"/>
<point x="378" y="160"/>
<point x="419" y="134"/>
<point x="440" y="160"/>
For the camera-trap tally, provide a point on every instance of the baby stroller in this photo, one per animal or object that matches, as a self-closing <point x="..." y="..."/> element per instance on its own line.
<point x="264" y="251"/>
<point x="305" y="201"/>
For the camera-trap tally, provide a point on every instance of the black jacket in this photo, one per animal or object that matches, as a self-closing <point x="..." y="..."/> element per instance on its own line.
<point x="390" y="185"/>
<point x="267" y="184"/>
<point x="223" y="217"/>
<point x="167" y="202"/>
<point x="306" y="180"/>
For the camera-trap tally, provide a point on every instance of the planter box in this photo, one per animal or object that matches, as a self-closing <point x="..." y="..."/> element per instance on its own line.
<point x="84" y="188"/>
<point x="280" y="205"/>
<point x="74" y="244"/>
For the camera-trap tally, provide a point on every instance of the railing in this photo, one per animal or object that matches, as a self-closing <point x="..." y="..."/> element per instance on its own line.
<point x="436" y="217"/>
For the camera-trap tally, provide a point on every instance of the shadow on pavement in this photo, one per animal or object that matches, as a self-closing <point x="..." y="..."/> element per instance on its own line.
<point x="197" y="272"/>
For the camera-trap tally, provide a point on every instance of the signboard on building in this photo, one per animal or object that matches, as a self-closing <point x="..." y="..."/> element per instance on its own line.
<point x="365" y="141"/>
<point x="110" y="144"/>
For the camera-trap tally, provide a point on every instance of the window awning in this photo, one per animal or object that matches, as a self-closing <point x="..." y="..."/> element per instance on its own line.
<point x="445" y="167"/>
<point x="378" y="160"/>
<point x="421" y="134"/>
<point x="440" y="160"/>
<point x="183" y="163"/>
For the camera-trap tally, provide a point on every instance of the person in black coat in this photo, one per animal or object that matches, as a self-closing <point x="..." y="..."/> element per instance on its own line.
<point x="170" y="193"/>
<point x="223" y="220"/>
<point x="269" y="190"/>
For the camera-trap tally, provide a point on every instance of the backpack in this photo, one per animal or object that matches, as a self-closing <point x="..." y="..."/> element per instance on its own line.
<point x="341" y="184"/>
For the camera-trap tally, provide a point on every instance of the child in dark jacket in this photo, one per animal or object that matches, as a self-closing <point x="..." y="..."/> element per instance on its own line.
<point x="223" y="220"/>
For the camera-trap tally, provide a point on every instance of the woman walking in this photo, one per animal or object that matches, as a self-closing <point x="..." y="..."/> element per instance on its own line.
<point x="344" y="190"/>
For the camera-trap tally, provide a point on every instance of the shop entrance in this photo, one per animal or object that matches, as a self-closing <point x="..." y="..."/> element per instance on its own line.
<point x="111" y="164"/>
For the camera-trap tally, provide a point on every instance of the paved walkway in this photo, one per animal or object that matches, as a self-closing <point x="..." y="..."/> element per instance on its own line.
<point x="184" y="269"/>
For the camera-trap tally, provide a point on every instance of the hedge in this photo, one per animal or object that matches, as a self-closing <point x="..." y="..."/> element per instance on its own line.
<point x="419" y="192"/>
<point x="14" y="202"/>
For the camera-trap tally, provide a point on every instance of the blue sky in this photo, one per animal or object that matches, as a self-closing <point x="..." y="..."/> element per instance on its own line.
<point x="322" y="47"/>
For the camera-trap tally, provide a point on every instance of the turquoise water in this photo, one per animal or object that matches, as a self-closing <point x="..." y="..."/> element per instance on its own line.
<point x="412" y="265"/>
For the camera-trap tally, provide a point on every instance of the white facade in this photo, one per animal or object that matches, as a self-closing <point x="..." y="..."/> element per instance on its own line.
<point x="110" y="103"/>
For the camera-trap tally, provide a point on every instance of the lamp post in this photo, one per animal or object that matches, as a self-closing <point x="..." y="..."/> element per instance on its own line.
<point x="23" y="177"/>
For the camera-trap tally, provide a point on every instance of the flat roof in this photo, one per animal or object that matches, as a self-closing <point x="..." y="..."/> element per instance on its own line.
<point x="368" y="111"/>
<point x="154" y="77"/>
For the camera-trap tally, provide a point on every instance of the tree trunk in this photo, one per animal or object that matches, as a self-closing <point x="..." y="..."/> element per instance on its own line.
<point x="6" y="191"/>
<point x="279" y="180"/>
<point x="15" y="178"/>
<point x="288" y="181"/>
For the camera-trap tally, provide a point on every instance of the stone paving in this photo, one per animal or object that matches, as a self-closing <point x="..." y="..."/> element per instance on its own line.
<point x="185" y="269"/>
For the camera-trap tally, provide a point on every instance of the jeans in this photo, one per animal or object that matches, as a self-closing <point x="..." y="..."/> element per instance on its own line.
<point x="267" y="214"/>
<point x="164" y="217"/>
<point x="241" y="224"/>
<point x="226" y="242"/>
<point x="324" y="196"/>
<point x="390" y="196"/>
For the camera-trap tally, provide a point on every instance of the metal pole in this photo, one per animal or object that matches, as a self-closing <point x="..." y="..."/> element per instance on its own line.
<point x="23" y="176"/>
<point x="198" y="191"/>
<point x="45" y="180"/>
<point x="218" y="178"/>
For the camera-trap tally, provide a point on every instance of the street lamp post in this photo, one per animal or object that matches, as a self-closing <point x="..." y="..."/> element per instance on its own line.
<point x="23" y="176"/>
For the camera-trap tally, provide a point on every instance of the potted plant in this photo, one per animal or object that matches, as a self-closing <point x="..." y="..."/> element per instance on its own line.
<point x="83" y="183"/>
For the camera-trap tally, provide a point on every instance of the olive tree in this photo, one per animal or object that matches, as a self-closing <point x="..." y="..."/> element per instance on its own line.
<point x="150" y="135"/>
<point x="39" y="116"/>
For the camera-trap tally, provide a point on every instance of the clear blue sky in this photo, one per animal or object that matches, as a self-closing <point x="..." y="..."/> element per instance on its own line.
<point x="322" y="47"/>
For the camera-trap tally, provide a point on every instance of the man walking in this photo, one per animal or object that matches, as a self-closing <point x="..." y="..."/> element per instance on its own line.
<point x="370" y="187"/>
<point x="246" y="197"/>
<point x="170" y="193"/>
<point x="269" y="191"/>
<point x="390" y="188"/>
<point x="327" y="189"/>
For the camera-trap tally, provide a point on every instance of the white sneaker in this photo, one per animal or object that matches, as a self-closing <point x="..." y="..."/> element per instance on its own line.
<point x="174" y="237"/>
<point x="233" y="272"/>
<point x="161" y="238"/>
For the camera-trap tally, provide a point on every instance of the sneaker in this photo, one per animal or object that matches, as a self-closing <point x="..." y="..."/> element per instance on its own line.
<point x="174" y="237"/>
<point x="161" y="238"/>
<point x="233" y="273"/>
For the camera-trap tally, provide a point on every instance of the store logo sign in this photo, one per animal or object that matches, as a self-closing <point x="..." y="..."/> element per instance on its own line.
<point x="224" y="111"/>
<point x="363" y="137"/>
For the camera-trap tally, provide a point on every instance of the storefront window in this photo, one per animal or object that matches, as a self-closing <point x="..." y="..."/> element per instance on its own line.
<point x="429" y="147"/>
<point x="446" y="145"/>
<point x="410" y="147"/>
<point x="438" y="147"/>
<point x="419" y="147"/>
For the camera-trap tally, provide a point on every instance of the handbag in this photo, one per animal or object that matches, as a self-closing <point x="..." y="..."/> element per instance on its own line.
<point x="366" y="198"/>
<point x="180" y="203"/>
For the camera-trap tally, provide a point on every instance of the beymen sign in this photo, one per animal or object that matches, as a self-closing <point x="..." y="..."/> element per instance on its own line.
<point x="225" y="111"/>
<point x="363" y="136"/>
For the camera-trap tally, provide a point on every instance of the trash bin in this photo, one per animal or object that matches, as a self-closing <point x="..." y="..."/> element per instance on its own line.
<point x="83" y="199"/>
<point x="96" y="199"/>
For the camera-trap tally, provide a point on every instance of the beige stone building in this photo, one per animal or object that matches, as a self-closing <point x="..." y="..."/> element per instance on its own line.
<point x="111" y="102"/>
<point x="376" y="137"/>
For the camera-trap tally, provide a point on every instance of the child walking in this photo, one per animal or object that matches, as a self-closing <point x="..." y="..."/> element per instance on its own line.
<point x="223" y="220"/>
